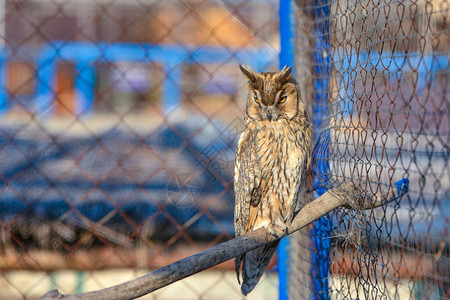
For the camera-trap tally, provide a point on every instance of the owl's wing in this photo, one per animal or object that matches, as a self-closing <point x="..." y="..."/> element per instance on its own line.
<point x="246" y="187"/>
<point x="246" y="183"/>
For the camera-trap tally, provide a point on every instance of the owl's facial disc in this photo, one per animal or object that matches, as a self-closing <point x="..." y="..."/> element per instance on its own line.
<point x="272" y="95"/>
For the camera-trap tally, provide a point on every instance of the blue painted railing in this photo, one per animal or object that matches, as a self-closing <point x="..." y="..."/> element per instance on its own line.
<point x="86" y="55"/>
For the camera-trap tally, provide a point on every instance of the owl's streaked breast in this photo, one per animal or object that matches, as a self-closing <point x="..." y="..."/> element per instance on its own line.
<point x="281" y="150"/>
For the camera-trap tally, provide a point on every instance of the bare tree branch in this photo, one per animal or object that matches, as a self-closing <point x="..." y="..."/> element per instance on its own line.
<point x="346" y="195"/>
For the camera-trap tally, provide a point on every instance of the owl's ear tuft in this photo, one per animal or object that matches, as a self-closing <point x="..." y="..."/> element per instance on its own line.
<point x="285" y="74"/>
<point x="248" y="72"/>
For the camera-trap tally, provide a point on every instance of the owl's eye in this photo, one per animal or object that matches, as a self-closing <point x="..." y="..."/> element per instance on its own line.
<point x="282" y="100"/>
<point x="256" y="99"/>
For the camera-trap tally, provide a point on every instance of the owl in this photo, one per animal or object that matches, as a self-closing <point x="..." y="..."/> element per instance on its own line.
<point x="272" y="156"/>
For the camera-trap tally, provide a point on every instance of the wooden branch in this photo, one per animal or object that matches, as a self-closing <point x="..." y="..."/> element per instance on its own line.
<point x="346" y="195"/>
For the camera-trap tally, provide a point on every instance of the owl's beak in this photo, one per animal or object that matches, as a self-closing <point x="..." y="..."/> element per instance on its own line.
<point x="269" y="115"/>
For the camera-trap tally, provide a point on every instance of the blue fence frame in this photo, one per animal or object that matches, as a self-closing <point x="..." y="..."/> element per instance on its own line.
<point x="320" y="232"/>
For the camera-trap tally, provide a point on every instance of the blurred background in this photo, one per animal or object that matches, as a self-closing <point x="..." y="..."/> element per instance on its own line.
<point x="118" y="130"/>
<point x="119" y="121"/>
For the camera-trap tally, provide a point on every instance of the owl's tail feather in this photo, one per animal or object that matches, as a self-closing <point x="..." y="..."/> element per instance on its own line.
<point x="254" y="264"/>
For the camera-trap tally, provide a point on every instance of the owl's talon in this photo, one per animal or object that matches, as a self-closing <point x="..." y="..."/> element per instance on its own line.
<point x="278" y="231"/>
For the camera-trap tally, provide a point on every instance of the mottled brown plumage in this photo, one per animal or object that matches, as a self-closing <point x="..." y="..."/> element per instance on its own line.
<point x="272" y="157"/>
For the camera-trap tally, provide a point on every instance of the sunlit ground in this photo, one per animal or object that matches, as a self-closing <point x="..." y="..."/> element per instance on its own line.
<point x="205" y="285"/>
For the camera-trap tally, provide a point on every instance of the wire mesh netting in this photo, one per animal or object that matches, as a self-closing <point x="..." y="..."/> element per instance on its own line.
<point x="377" y="72"/>
<point x="117" y="138"/>
<point x="119" y="124"/>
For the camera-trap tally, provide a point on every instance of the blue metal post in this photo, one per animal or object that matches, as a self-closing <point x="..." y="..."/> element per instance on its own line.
<point x="84" y="83"/>
<point x="3" y="81"/>
<point x="46" y="79"/>
<point x="286" y="58"/>
<point x="321" y="244"/>
<point x="172" y="87"/>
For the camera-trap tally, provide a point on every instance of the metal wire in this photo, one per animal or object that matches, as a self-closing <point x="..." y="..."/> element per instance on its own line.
<point x="119" y="124"/>
<point x="380" y="72"/>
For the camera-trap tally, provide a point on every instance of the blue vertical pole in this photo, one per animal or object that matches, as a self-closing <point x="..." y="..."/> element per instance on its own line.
<point x="321" y="244"/>
<point x="84" y="87"/>
<point x="46" y="79"/>
<point x="286" y="58"/>
<point x="172" y="95"/>
<point x="3" y="81"/>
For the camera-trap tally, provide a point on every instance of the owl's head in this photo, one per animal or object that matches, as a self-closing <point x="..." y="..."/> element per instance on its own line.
<point x="272" y="95"/>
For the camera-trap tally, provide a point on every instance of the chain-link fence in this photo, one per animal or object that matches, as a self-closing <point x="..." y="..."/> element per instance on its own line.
<point x="117" y="139"/>
<point x="119" y="124"/>
<point x="378" y="75"/>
